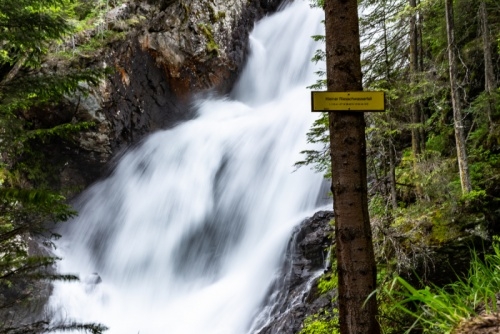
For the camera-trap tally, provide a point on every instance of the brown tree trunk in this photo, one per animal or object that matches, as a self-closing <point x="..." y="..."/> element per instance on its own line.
<point x="414" y="65"/>
<point x="420" y="69"/>
<point x="392" y="175"/>
<point x="420" y="25"/>
<point x="355" y="258"/>
<point x="15" y="69"/>
<point x="392" y="156"/>
<point x="489" y="75"/>
<point x="463" y="166"/>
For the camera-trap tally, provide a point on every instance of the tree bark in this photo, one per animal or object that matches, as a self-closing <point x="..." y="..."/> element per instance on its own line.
<point x="355" y="258"/>
<point x="463" y="166"/>
<point x="489" y="75"/>
<point x="414" y="69"/>
<point x="15" y="69"/>
<point x="420" y="69"/>
<point x="392" y="174"/>
<point x="392" y="157"/>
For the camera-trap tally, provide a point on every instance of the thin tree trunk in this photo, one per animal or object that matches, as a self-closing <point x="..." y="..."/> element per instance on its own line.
<point x="392" y="175"/>
<point x="489" y="75"/>
<point x="415" y="110"/>
<point x="463" y="165"/>
<point x="416" y="119"/>
<point x="355" y="258"/>
<point x="15" y="69"/>
<point x="420" y="25"/>
<point x="420" y="69"/>
<point x="392" y="156"/>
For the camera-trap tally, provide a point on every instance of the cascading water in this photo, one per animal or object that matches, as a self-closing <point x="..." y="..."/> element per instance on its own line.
<point x="188" y="231"/>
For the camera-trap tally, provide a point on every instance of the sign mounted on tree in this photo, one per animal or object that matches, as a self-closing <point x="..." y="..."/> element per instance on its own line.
<point x="348" y="101"/>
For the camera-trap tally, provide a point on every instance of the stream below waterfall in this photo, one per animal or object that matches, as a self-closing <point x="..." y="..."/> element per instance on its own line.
<point x="187" y="234"/>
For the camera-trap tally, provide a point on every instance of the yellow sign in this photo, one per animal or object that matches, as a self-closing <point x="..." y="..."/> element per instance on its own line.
<point x="348" y="101"/>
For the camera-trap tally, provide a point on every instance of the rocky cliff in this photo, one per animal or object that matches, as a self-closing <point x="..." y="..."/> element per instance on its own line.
<point x="165" y="52"/>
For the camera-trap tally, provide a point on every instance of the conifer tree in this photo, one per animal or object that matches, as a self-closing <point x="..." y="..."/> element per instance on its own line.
<point x="28" y="30"/>
<point x="356" y="268"/>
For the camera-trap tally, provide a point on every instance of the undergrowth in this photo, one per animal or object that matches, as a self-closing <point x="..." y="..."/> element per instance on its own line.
<point x="441" y="309"/>
<point x="423" y="308"/>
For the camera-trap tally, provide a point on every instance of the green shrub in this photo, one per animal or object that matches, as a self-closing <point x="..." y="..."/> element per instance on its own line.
<point x="324" y="323"/>
<point x="440" y="310"/>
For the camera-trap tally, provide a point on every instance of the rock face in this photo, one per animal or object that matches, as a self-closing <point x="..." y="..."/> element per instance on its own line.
<point x="293" y="295"/>
<point x="167" y="52"/>
<point x="22" y="298"/>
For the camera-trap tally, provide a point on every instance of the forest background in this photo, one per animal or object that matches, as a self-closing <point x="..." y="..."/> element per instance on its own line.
<point x="432" y="160"/>
<point x="427" y="210"/>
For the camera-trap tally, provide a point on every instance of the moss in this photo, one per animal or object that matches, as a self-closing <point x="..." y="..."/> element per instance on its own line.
<point x="220" y="16"/>
<point x="102" y="39"/>
<point x="326" y="322"/>
<point x="212" y="47"/>
<point x="211" y="13"/>
<point x="206" y="30"/>
<point x="134" y="20"/>
<point x="187" y="10"/>
<point x="215" y="16"/>
<point x="327" y="282"/>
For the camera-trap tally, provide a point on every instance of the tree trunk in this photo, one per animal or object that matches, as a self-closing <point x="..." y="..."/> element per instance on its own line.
<point x="355" y="258"/>
<point x="420" y="25"/>
<point x="15" y="69"/>
<point x="420" y="69"/>
<point x="414" y="66"/>
<point x="463" y="165"/>
<point x="392" y="174"/>
<point x="392" y="156"/>
<point x="489" y="75"/>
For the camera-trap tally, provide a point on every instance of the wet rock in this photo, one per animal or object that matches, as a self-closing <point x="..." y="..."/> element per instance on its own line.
<point x="173" y="51"/>
<point x="91" y="281"/>
<point x="293" y="295"/>
<point x="22" y="298"/>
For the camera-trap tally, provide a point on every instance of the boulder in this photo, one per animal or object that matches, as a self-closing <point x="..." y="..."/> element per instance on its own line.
<point x="293" y="296"/>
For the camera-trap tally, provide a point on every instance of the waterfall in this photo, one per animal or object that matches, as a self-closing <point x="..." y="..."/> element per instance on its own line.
<point x="187" y="234"/>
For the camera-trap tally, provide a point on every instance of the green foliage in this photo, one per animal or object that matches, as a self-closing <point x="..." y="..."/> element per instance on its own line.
<point x="439" y="310"/>
<point x="318" y="135"/>
<point x="317" y="3"/>
<point x="430" y="210"/>
<point x="26" y="92"/>
<point x="215" y="16"/>
<point x="477" y="197"/>
<point x="327" y="283"/>
<point x="324" y="323"/>
<point x="29" y="30"/>
<point x="18" y="20"/>
<point x="212" y="46"/>
<point x="484" y="168"/>
<point x="24" y="215"/>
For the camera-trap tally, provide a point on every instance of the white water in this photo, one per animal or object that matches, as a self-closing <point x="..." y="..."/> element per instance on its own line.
<point x="190" y="228"/>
